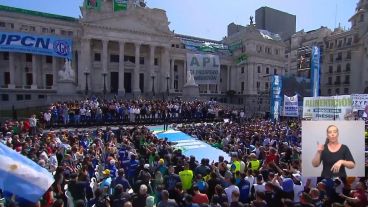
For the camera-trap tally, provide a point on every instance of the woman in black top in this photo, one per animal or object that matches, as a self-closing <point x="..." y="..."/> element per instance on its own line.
<point x="334" y="156"/>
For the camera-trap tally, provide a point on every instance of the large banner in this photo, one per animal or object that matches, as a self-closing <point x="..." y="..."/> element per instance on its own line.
<point x="276" y="88"/>
<point x="360" y="104"/>
<point x="327" y="107"/>
<point x="36" y="44"/>
<point x="93" y="4"/>
<point x="315" y="71"/>
<point x="205" y="68"/>
<point x="291" y="107"/>
<point x="120" y="5"/>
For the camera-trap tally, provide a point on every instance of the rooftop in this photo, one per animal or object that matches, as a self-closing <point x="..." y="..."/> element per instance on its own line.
<point x="36" y="13"/>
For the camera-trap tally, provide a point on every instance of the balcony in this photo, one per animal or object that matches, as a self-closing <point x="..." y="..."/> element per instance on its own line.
<point x="337" y="82"/>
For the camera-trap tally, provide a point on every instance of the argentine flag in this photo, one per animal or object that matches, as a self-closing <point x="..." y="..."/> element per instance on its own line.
<point x="21" y="176"/>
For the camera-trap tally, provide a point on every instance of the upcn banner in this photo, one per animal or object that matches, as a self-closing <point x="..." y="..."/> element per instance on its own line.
<point x="291" y="107"/>
<point x="315" y="68"/>
<point x="204" y="67"/>
<point x="327" y="107"/>
<point x="276" y="87"/>
<point x="120" y="5"/>
<point x="36" y="44"/>
<point x="360" y="104"/>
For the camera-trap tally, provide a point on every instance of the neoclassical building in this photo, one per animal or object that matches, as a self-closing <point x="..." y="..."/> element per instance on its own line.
<point x="130" y="53"/>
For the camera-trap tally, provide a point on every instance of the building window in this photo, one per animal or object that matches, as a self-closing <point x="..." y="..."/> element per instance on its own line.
<point x="339" y="56"/>
<point x="349" y="41"/>
<point x="329" y="80"/>
<point x="28" y="57"/>
<point x="259" y="48"/>
<point x="331" y="45"/>
<point x="52" y="31"/>
<point x="97" y="57"/>
<point x="267" y="70"/>
<point x="329" y="92"/>
<point x="266" y="85"/>
<point x="275" y="71"/>
<point x="41" y="96"/>
<point x="361" y="18"/>
<point x="175" y="68"/>
<point x="242" y="87"/>
<point x="347" y="68"/>
<point x="337" y="91"/>
<point x="337" y="80"/>
<point x="340" y="43"/>
<point x="331" y="58"/>
<point x="5" y="55"/>
<point x="276" y="51"/>
<point x="347" y="79"/>
<point x="19" y="97"/>
<point x="129" y="58"/>
<point x="176" y="84"/>
<point x="141" y="60"/>
<point x="330" y="69"/>
<point x="156" y="61"/>
<point x="49" y="80"/>
<point x="346" y="91"/>
<point x="45" y="30"/>
<point x="48" y="59"/>
<point x="6" y="78"/>
<point x="259" y="69"/>
<point x="242" y="69"/>
<point x="2" y="24"/>
<point x="70" y="33"/>
<point x="258" y="85"/>
<point x="114" y="58"/>
<point x="348" y="55"/>
<point x="338" y="68"/>
<point x="27" y="97"/>
<point x="4" y="97"/>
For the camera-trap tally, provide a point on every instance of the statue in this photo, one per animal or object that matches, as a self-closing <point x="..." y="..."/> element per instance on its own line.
<point x="190" y="79"/>
<point x="251" y="20"/>
<point x="68" y="73"/>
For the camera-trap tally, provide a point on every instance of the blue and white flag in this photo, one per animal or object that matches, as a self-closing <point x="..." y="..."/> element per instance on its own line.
<point x="316" y="67"/>
<point x="21" y="176"/>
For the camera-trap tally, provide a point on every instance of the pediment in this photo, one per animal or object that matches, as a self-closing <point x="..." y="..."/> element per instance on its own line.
<point x="144" y="20"/>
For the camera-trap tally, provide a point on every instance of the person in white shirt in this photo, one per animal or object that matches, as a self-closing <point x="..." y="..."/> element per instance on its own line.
<point x="33" y="124"/>
<point x="298" y="187"/>
<point x="229" y="190"/>
<point x="47" y="118"/>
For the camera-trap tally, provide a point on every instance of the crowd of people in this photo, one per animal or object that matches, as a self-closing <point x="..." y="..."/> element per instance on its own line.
<point x="129" y="166"/>
<point x="98" y="111"/>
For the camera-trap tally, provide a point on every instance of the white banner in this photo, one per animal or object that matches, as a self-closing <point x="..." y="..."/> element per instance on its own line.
<point x="291" y="107"/>
<point x="327" y="107"/>
<point x="205" y="68"/>
<point x="360" y="101"/>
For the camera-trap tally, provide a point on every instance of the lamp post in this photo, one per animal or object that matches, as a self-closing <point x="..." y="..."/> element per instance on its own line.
<point x="167" y="85"/>
<point x="104" y="82"/>
<point x="86" y="73"/>
<point x="153" y="85"/>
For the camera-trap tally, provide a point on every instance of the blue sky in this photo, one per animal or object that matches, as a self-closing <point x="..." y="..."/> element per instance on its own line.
<point x="209" y="18"/>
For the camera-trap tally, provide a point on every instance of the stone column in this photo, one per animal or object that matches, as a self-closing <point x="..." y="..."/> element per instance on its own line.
<point x="12" y="70"/>
<point x="165" y="68"/>
<point x="34" y="72"/>
<point x="55" y="71"/>
<point x="250" y="71"/>
<point x="121" y="90"/>
<point x="208" y="88"/>
<point x="172" y="76"/>
<point x="105" y="44"/>
<point x="135" y="83"/>
<point x="85" y="64"/>
<point x="152" y="69"/>
<point x="228" y="86"/>
<point x="185" y="72"/>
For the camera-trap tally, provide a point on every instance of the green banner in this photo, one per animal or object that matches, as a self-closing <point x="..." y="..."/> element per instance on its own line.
<point x="120" y="5"/>
<point x="93" y="4"/>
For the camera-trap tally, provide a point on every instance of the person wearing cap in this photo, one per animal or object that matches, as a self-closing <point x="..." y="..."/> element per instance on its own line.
<point x="298" y="186"/>
<point x="254" y="163"/>
<point x="335" y="157"/>
<point x="105" y="184"/>
<point x="144" y="177"/>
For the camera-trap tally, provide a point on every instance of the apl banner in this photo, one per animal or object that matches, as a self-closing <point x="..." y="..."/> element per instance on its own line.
<point x="36" y="44"/>
<point x="204" y="67"/>
<point x="315" y="67"/>
<point x="291" y="107"/>
<point x="276" y="87"/>
<point x="327" y="107"/>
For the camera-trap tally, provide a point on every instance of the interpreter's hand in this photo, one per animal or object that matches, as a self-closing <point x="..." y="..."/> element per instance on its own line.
<point x="336" y="167"/>
<point x="320" y="147"/>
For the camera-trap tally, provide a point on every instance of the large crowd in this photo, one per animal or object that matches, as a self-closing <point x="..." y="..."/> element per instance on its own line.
<point x="128" y="166"/>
